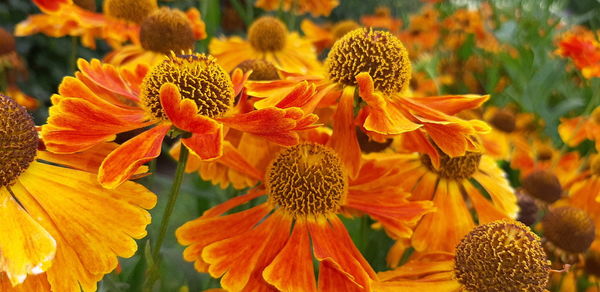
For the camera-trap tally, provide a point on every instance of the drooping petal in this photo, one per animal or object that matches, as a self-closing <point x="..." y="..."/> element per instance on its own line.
<point x="275" y="124"/>
<point x="206" y="146"/>
<point x="183" y="112"/>
<point x="331" y="279"/>
<point x="384" y="117"/>
<point x="452" y="104"/>
<point x="236" y="258"/>
<point x="91" y="225"/>
<point x="108" y="77"/>
<point x="292" y="268"/>
<point x="435" y="232"/>
<point x="332" y="243"/>
<point x="343" y="139"/>
<point x="26" y="248"/>
<point x="123" y="162"/>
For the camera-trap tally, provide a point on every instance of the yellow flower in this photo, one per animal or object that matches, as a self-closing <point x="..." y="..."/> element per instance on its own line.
<point x="60" y="230"/>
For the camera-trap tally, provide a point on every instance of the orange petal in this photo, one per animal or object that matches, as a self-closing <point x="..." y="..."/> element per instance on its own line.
<point x="292" y="268"/>
<point x="331" y="279"/>
<point x="25" y="246"/>
<point x="332" y="243"/>
<point x="32" y="283"/>
<point x="183" y="113"/>
<point x="384" y="117"/>
<point x="206" y="146"/>
<point x="236" y="258"/>
<point x="450" y="138"/>
<point x="108" y="77"/>
<point x="452" y="104"/>
<point x="51" y="5"/>
<point x="435" y="232"/>
<point x="343" y="139"/>
<point x="572" y="131"/>
<point x="486" y="211"/>
<point x="275" y="124"/>
<point x="120" y="164"/>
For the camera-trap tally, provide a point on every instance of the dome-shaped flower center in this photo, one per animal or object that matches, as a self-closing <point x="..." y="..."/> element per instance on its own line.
<point x="18" y="140"/>
<point x="543" y="185"/>
<point x="595" y="165"/>
<point x="267" y="34"/>
<point x="544" y="153"/>
<point x="569" y="228"/>
<point x="198" y="78"/>
<point x="86" y="4"/>
<point x="504" y="120"/>
<point x="306" y="180"/>
<point x="528" y="209"/>
<point x="499" y="255"/>
<point x="7" y="42"/>
<point x="131" y="10"/>
<point x="167" y="30"/>
<point x="261" y="70"/>
<point x="341" y="28"/>
<point x="379" y="53"/>
<point x="456" y="168"/>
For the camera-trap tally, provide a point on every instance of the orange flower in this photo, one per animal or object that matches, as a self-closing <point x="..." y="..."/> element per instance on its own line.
<point x="161" y="32"/>
<point x="459" y="186"/>
<point x="268" y="39"/>
<point x="423" y="32"/>
<point x="55" y="218"/>
<point x="574" y="131"/>
<point x="382" y="19"/>
<point x="120" y="22"/>
<point x="186" y="93"/>
<point x="306" y="185"/>
<point x="12" y="69"/>
<point x="583" y="48"/>
<point x="315" y="8"/>
<point x="324" y="36"/>
<point x="375" y="66"/>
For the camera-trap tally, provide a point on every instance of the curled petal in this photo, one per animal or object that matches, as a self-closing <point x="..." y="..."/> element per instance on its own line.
<point x="183" y="113"/>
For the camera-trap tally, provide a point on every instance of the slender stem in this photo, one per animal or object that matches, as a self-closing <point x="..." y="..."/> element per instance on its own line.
<point x="164" y="223"/>
<point x="73" y="57"/>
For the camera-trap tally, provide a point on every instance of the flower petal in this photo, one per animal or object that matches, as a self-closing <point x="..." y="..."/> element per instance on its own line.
<point x="206" y="146"/>
<point x="343" y="139"/>
<point x="124" y="161"/>
<point x="292" y="268"/>
<point x="183" y="112"/>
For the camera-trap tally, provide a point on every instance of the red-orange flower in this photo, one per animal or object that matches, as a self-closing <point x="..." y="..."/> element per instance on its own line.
<point x="583" y="48"/>
<point x="120" y="22"/>
<point x="575" y="130"/>
<point x="185" y="94"/>
<point x="323" y="36"/>
<point x="382" y="19"/>
<point x="380" y="79"/>
<point x="307" y="185"/>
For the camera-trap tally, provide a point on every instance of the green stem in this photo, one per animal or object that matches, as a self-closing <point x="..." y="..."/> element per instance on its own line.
<point x="164" y="223"/>
<point x="73" y="57"/>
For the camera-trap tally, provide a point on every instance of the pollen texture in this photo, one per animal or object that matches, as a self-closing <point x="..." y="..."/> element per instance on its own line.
<point x="379" y="53"/>
<point x="306" y="180"/>
<point x="267" y="34"/>
<point x="261" y="70"/>
<point x="569" y="228"/>
<point x="456" y="168"/>
<point x="18" y="140"/>
<point x="131" y="10"/>
<point x="501" y="256"/>
<point x="198" y="78"/>
<point x="543" y="185"/>
<point x="167" y="30"/>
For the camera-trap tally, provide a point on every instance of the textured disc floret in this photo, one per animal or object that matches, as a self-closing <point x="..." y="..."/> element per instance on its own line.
<point x="167" y="30"/>
<point x="18" y="140"/>
<point x="197" y="76"/>
<point x="131" y="10"/>
<point x="501" y="256"/>
<point x="306" y="180"/>
<point x="456" y="168"/>
<point x="543" y="185"/>
<point x="267" y="34"/>
<point x="569" y="228"/>
<point x="261" y="70"/>
<point x="504" y="120"/>
<point x="379" y="53"/>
